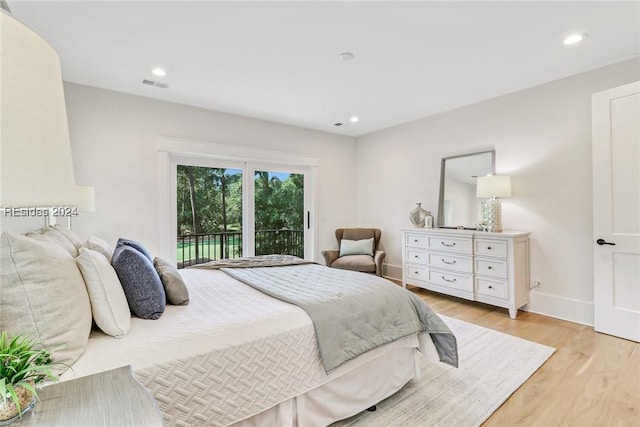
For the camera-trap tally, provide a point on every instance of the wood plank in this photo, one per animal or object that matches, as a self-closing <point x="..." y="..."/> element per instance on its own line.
<point x="591" y="380"/>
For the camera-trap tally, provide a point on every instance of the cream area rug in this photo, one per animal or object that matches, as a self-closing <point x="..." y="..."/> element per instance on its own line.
<point x="492" y="366"/>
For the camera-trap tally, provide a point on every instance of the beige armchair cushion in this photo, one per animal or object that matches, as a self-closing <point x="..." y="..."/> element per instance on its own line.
<point x="362" y="263"/>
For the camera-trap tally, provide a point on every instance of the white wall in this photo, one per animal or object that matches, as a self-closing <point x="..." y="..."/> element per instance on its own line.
<point x="114" y="144"/>
<point x="542" y="137"/>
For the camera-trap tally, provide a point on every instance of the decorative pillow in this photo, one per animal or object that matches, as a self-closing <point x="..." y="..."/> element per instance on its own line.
<point x="356" y="247"/>
<point x="97" y="244"/>
<point x="108" y="302"/>
<point x="140" y="281"/>
<point x="68" y="234"/>
<point x="52" y="235"/>
<point x="174" y="286"/>
<point x="43" y="296"/>
<point x="136" y="245"/>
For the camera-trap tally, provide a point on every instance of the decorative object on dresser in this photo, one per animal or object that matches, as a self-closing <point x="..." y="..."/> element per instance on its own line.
<point x="494" y="186"/>
<point x="110" y="398"/>
<point x="492" y="268"/>
<point x="368" y="261"/>
<point x="420" y="217"/>
<point x="458" y="206"/>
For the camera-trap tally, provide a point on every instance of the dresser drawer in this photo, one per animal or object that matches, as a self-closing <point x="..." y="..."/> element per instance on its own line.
<point x="417" y="256"/>
<point x="451" y="261"/>
<point x="494" y="288"/>
<point x="497" y="248"/>
<point x="416" y="240"/>
<point x="492" y="267"/>
<point x="455" y="244"/>
<point x="415" y="272"/>
<point x="452" y="280"/>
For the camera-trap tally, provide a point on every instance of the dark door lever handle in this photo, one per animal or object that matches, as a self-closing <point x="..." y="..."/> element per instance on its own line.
<point x="604" y="242"/>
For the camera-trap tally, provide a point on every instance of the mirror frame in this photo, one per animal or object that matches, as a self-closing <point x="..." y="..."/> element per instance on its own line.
<point x="443" y="162"/>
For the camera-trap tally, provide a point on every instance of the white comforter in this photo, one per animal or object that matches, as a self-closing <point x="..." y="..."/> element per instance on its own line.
<point x="230" y="354"/>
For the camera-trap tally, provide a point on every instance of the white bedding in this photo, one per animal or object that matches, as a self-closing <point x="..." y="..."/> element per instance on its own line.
<point x="233" y="352"/>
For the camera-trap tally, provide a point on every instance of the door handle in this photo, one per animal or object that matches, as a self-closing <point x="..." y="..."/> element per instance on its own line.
<point x="604" y="242"/>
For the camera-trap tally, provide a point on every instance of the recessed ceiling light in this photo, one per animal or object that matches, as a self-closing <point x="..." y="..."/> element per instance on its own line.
<point x="159" y="72"/>
<point x="574" y="38"/>
<point x="347" y="56"/>
<point x="354" y="119"/>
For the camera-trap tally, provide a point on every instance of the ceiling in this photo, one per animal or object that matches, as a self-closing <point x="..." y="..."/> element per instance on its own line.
<point x="280" y="61"/>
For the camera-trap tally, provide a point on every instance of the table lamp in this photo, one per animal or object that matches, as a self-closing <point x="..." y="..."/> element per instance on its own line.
<point x="493" y="187"/>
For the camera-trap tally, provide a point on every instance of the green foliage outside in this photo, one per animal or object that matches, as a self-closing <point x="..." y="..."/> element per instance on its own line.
<point x="216" y="194"/>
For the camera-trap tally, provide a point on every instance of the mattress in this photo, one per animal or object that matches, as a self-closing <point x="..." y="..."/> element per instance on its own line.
<point x="230" y="354"/>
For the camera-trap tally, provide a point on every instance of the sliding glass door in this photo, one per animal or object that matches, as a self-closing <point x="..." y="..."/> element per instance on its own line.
<point x="279" y="213"/>
<point x="230" y="210"/>
<point x="209" y="214"/>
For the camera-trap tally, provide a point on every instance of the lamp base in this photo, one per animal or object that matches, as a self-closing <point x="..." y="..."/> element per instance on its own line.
<point x="494" y="215"/>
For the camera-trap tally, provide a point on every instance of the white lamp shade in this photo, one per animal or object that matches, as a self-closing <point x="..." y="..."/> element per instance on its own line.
<point x="36" y="168"/>
<point x="494" y="186"/>
<point x="85" y="198"/>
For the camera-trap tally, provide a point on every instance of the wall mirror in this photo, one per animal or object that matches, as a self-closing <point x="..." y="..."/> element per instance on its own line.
<point x="458" y="206"/>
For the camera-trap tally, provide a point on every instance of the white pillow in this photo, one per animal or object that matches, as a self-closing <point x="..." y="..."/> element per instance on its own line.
<point x="53" y="235"/>
<point x="97" y="244"/>
<point x="69" y="235"/>
<point x="356" y="247"/>
<point x="108" y="302"/>
<point x="43" y="296"/>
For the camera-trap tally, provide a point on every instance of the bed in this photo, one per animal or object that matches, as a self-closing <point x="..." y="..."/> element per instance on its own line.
<point x="236" y="356"/>
<point x="269" y="341"/>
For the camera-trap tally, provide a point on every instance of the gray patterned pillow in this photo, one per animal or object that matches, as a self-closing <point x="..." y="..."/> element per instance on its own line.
<point x="135" y="245"/>
<point x="174" y="287"/>
<point x="140" y="281"/>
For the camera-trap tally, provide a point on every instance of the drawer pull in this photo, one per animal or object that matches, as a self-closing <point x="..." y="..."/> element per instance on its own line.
<point x="415" y="272"/>
<point x="448" y="245"/>
<point x="488" y="248"/>
<point x="448" y="280"/>
<point x="416" y="256"/>
<point x="490" y="287"/>
<point x="447" y="262"/>
<point x="489" y="268"/>
<point x="415" y="241"/>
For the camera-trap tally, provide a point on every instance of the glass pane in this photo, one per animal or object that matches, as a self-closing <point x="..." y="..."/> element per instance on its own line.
<point x="209" y="216"/>
<point x="279" y="213"/>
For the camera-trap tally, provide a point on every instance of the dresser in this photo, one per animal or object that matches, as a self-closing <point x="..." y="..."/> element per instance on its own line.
<point x="492" y="268"/>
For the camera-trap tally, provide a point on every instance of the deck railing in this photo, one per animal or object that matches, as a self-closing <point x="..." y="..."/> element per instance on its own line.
<point x="199" y="248"/>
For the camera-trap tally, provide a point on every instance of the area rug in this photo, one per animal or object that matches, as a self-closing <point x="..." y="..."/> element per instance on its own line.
<point x="492" y="366"/>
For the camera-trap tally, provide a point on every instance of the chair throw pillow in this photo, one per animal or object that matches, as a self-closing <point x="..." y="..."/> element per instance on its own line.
<point x="174" y="286"/>
<point x="44" y="296"/>
<point x="356" y="247"/>
<point x="140" y="281"/>
<point x="136" y="245"/>
<point x="108" y="302"/>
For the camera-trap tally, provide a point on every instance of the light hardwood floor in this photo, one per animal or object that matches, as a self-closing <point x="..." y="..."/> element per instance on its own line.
<point x="591" y="380"/>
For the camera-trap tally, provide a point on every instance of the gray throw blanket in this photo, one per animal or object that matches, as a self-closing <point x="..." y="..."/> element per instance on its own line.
<point x="352" y="312"/>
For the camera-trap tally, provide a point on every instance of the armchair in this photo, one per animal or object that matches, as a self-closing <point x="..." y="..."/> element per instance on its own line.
<point x="359" y="262"/>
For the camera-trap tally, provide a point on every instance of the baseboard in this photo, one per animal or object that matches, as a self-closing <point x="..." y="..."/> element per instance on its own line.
<point x="391" y="271"/>
<point x="563" y="308"/>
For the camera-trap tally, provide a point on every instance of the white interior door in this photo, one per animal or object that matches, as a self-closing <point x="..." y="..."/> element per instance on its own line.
<point x="616" y="211"/>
